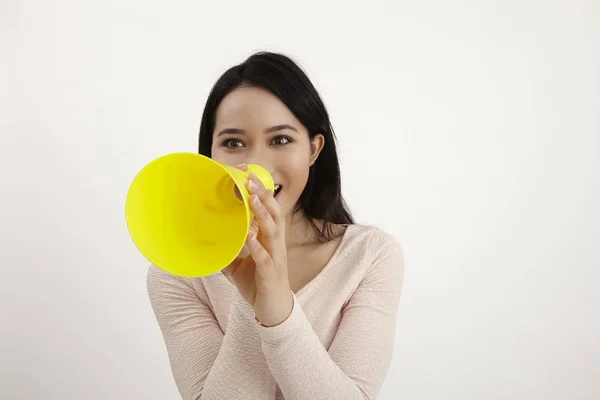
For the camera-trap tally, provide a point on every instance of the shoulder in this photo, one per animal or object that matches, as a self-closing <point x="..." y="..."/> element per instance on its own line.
<point x="212" y="291"/>
<point x="158" y="278"/>
<point x="374" y="240"/>
<point x="161" y="284"/>
<point x="383" y="252"/>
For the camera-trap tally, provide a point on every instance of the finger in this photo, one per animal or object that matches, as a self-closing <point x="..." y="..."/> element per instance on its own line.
<point x="257" y="184"/>
<point x="267" y="199"/>
<point x="266" y="224"/>
<point x="243" y="166"/>
<point x="274" y="210"/>
<point x="244" y="252"/>
<point x="253" y="226"/>
<point x="271" y="236"/>
<point x="230" y="270"/>
<point x="253" y="229"/>
<point x="240" y="270"/>
<point x="262" y="260"/>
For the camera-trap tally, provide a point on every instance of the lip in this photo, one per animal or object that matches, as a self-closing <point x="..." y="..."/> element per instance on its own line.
<point x="277" y="190"/>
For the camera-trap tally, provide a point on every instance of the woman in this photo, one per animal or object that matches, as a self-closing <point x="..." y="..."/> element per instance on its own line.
<point x="308" y="309"/>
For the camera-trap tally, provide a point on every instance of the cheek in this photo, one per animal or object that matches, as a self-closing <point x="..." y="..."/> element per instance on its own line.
<point x="225" y="157"/>
<point x="295" y="168"/>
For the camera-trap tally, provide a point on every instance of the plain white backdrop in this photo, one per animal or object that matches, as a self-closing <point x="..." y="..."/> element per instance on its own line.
<point x="468" y="129"/>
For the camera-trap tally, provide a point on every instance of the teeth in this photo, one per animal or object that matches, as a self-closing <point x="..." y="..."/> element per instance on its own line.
<point x="277" y="187"/>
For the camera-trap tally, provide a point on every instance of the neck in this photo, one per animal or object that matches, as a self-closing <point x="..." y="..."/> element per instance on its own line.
<point x="298" y="230"/>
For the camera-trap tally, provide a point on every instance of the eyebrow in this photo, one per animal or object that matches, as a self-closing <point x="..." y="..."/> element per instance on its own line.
<point x="272" y="129"/>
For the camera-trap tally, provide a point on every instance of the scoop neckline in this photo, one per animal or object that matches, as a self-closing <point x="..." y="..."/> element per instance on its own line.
<point x="330" y="262"/>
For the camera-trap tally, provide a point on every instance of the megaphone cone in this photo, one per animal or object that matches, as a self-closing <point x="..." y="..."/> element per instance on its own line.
<point x="184" y="215"/>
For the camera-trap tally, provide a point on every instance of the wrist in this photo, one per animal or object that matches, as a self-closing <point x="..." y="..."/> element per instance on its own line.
<point x="280" y="314"/>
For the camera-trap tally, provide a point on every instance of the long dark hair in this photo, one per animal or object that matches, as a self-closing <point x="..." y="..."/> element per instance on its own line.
<point x="322" y="197"/>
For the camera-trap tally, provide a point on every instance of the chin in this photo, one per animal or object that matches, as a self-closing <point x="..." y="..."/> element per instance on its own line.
<point x="284" y="204"/>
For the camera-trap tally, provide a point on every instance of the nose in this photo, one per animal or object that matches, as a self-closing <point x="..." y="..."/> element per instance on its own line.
<point x="263" y="159"/>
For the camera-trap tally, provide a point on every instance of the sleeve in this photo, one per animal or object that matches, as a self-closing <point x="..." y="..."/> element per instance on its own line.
<point x="206" y="363"/>
<point x="358" y="359"/>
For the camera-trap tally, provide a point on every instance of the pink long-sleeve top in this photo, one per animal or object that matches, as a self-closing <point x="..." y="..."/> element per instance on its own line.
<point x="336" y="344"/>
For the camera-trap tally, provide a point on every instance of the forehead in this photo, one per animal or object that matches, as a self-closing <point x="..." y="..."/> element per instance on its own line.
<point x="253" y="107"/>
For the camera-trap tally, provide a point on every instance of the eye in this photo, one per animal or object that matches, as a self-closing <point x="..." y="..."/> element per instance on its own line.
<point x="281" y="140"/>
<point x="232" y="143"/>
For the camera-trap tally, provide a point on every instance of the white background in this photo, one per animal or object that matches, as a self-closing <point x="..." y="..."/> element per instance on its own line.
<point x="468" y="129"/>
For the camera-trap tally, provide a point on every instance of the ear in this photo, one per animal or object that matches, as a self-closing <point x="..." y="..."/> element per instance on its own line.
<point x="316" y="145"/>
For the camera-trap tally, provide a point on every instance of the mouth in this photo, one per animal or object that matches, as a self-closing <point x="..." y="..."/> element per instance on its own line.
<point x="277" y="190"/>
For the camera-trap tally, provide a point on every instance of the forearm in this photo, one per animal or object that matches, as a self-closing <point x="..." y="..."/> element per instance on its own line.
<point x="300" y="363"/>
<point x="206" y="363"/>
<point x="239" y="371"/>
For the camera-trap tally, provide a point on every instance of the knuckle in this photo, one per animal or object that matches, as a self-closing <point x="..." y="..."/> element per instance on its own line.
<point x="279" y="220"/>
<point x="271" y="231"/>
<point x="274" y="207"/>
<point x="264" y="258"/>
<point x="263" y="211"/>
<point x="262" y="193"/>
<point x="264" y="255"/>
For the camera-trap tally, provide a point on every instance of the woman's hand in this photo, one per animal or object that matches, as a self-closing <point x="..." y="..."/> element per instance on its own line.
<point x="262" y="276"/>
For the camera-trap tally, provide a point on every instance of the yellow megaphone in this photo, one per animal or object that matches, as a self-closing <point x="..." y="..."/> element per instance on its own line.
<point x="184" y="215"/>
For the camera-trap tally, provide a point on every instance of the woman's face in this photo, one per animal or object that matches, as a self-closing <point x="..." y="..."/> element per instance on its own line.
<point x="253" y="126"/>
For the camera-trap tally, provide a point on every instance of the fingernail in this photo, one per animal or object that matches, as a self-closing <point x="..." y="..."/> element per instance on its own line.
<point x="253" y="185"/>
<point x="252" y="240"/>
